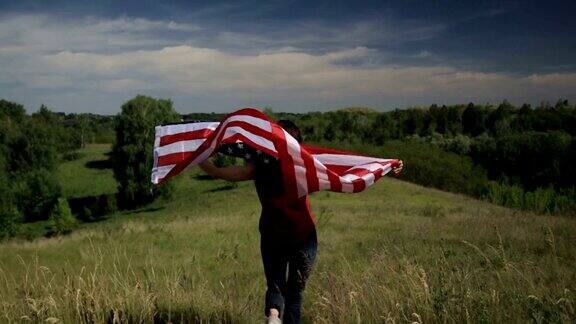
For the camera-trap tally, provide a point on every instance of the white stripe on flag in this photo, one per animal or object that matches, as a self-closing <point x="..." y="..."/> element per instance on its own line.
<point x="347" y="187"/>
<point x="255" y="121"/>
<point x="369" y="167"/>
<point x="159" y="173"/>
<point x="179" y="147"/>
<point x="322" y="175"/>
<point x="348" y="178"/>
<point x="369" y="179"/>
<point x="184" y="128"/>
<point x="299" y="169"/>
<point x="259" y="140"/>
<point x="346" y="160"/>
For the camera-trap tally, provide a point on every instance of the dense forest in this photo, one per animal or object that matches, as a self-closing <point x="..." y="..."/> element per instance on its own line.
<point x="520" y="157"/>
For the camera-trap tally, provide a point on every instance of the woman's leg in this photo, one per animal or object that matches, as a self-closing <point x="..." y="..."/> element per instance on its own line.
<point x="300" y="263"/>
<point x="275" y="264"/>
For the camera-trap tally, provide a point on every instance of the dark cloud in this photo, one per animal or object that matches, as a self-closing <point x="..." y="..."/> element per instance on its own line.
<point x="220" y="55"/>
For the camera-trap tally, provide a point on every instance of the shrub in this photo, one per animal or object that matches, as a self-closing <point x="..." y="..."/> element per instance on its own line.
<point x="61" y="219"/>
<point x="86" y="214"/>
<point x="93" y="208"/>
<point x="541" y="200"/>
<point x="533" y="159"/>
<point x="8" y="221"/>
<point x="36" y="147"/>
<point x="72" y="155"/>
<point x="9" y="216"/>
<point x="459" y="144"/>
<point x="36" y="193"/>
<point x="108" y="203"/>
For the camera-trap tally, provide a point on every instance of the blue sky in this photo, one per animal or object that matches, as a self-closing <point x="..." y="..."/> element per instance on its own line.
<point x="91" y="56"/>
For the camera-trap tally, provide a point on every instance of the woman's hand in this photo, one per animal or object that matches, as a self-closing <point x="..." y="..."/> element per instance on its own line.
<point x="397" y="169"/>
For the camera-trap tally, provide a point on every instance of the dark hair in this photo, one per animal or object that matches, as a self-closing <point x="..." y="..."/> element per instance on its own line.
<point x="291" y="128"/>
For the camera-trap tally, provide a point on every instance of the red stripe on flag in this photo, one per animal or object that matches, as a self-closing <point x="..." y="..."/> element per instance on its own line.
<point x="335" y="184"/>
<point x="186" y="136"/>
<point x="286" y="161"/>
<point x="311" y="173"/>
<point x="173" y="158"/>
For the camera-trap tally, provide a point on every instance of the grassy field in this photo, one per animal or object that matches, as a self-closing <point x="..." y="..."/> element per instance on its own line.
<point x="88" y="175"/>
<point x="395" y="253"/>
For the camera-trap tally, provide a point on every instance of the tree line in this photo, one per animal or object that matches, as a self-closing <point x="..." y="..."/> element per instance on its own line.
<point x="521" y="157"/>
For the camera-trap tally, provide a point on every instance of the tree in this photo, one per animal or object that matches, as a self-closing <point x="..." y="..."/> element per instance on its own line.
<point x="9" y="216"/>
<point x="383" y="128"/>
<point x="474" y="120"/>
<point x="454" y="116"/>
<point x="11" y="110"/>
<point x="413" y="122"/>
<point x="268" y="111"/>
<point x="499" y="120"/>
<point x="35" y="193"/>
<point x="28" y="146"/>
<point x="61" y="219"/>
<point x="132" y="152"/>
<point x="83" y="128"/>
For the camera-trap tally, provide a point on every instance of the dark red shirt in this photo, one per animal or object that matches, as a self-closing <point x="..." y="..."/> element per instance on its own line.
<point x="283" y="217"/>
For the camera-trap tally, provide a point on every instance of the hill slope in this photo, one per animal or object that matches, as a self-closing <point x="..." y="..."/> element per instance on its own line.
<point x="395" y="252"/>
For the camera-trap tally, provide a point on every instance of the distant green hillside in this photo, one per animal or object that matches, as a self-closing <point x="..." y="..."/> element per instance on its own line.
<point x="396" y="252"/>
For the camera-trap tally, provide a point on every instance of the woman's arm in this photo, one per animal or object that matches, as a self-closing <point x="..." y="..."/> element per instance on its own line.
<point x="230" y="173"/>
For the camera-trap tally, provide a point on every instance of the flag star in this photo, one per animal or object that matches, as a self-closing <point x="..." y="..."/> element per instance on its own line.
<point x="258" y="152"/>
<point x="266" y="160"/>
<point x="248" y="156"/>
<point x="240" y="145"/>
<point x="229" y="150"/>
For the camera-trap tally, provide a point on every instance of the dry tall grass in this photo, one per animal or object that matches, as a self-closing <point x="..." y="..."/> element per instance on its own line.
<point x="396" y="253"/>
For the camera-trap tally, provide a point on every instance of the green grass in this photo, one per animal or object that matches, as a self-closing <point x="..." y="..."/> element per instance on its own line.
<point x="397" y="252"/>
<point x="78" y="180"/>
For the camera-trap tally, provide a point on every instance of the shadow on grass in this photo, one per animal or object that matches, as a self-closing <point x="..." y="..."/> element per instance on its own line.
<point x="223" y="188"/>
<point x="144" y="210"/>
<point x="99" y="164"/>
<point x="176" y="315"/>
<point x="93" y="208"/>
<point x="203" y="177"/>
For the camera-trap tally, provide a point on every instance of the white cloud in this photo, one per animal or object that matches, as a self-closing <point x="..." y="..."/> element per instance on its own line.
<point x="106" y="60"/>
<point x="125" y="24"/>
<point x="315" y="35"/>
<point x="31" y="34"/>
<point x="201" y="71"/>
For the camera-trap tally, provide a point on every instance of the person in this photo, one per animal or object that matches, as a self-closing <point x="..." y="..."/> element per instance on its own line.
<point x="288" y="241"/>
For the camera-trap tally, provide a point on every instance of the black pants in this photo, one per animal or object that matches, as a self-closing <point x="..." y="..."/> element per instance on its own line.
<point x="287" y="266"/>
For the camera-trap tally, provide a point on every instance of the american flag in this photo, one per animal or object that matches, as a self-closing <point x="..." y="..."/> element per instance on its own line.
<point x="305" y="168"/>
